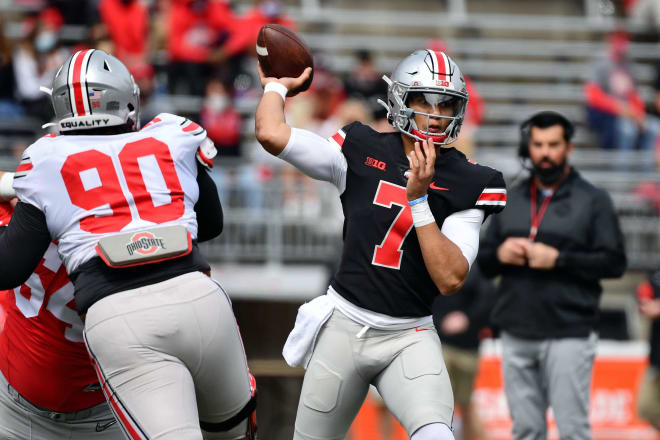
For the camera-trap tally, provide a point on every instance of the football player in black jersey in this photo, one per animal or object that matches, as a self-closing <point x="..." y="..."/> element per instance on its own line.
<point x="374" y="326"/>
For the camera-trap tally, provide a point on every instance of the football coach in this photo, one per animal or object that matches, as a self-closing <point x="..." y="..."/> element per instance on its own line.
<point x="558" y="236"/>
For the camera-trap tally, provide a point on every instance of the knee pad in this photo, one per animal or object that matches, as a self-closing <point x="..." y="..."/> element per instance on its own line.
<point x="235" y="428"/>
<point x="433" y="431"/>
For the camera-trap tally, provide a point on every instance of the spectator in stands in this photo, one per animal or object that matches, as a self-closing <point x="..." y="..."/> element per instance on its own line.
<point x="474" y="115"/>
<point x="237" y="55"/>
<point x="9" y="108"/>
<point x="196" y="30"/>
<point x="364" y="81"/>
<point x="124" y="32"/>
<point x="223" y="125"/>
<point x="317" y="109"/>
<point x="615" y="109"/>
<point x="36" y="59"/>
<point x="221" y="120"/>
<point x="558" y="236"/>
<point x="459" y="320"/>
<point x="246" y="28"/>
<point x="648" y="401"/>
<point x="127" y="24"/>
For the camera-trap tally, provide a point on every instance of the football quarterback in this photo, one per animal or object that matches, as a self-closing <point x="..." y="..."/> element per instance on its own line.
<point x="413" y="207"/>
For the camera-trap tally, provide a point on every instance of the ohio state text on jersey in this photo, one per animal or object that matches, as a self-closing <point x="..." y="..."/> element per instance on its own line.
<point x="91" y="187"/>
<point x="382" y="268"/>
<point x="42" y="353"/>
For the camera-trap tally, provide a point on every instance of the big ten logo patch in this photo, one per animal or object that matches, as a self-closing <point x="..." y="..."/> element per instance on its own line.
<point x="144" y="243"/>
<point x="371" y="162"/>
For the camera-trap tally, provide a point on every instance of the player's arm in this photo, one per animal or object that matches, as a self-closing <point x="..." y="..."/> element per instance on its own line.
<point x="208" y="207"/>
<point x="313" y="155"/>
<point x="23" y="243"/>
<point x="443" y="258"/>
<point x="271" y="129"/>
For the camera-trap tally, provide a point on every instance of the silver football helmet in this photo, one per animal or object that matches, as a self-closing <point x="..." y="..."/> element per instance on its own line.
<point x="435" y="78"/>
<point x="93" y="89"/>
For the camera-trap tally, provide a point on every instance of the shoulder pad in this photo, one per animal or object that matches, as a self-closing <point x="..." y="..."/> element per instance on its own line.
<point x="24" y="166"/>
<point x="166" y="118"/>
<point x="186" y="125"/>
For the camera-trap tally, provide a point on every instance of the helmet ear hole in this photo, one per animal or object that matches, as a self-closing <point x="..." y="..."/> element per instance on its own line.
<point x="106" y="66"/>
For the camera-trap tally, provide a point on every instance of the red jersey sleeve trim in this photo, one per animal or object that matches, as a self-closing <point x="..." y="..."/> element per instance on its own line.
<point x="492" y="196"/>
<point x="338" y="138"/>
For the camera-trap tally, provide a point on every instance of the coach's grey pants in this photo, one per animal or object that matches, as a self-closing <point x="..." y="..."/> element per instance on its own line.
<point x="21" y="420"/>
<point x="169" y="355"/>
<point x="548" y="372"/>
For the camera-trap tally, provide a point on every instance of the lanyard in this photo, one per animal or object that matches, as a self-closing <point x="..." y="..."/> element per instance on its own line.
<point x="537" y="217"/>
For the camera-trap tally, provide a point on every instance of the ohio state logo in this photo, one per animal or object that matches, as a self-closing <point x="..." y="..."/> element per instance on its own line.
<point x="145" y="243"/>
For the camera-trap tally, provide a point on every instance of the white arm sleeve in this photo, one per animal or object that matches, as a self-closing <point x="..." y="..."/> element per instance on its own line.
<point x="7" y="186"/>
<point x="462" y="228"/>
<point x="316" y="157"/>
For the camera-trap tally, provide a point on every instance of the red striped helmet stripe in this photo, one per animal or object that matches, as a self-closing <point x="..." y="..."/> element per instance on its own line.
<point x="443" y="65"/>
<point x="77" y="79"/>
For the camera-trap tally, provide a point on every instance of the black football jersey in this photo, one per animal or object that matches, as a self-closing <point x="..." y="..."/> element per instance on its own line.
<point x="381" y="267"/>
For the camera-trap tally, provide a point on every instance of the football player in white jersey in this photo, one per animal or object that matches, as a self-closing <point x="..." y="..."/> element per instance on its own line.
<point x="127" y="208"/>
<point x="48" y="387"/>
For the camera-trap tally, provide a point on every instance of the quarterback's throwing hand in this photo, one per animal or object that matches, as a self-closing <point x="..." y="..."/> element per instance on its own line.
<point x="292" y="84"/>
<point x="422" y="169"/>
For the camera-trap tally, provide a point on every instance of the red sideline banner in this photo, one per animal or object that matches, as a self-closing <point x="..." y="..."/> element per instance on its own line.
<point x="618" y="370"/>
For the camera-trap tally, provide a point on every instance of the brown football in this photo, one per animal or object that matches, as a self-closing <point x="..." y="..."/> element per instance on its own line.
<point x="282" y="53"/>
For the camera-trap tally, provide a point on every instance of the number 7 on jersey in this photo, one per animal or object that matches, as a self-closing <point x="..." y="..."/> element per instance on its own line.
<point x="389" y="253"/>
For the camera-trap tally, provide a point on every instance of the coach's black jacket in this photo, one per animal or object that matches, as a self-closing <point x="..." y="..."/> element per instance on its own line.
<point x="581" y="223"/>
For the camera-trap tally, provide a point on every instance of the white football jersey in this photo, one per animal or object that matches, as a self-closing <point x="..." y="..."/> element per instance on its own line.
<point x="90" y="187"/>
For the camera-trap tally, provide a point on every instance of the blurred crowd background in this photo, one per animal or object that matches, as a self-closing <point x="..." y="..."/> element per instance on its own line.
<point x="596" y="61"/>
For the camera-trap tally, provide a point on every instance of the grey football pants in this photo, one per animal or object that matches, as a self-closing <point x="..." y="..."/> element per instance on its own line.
<point x="169" y="355"/>
<point x="21" y="420"/>
<point x="548" y="372"/>
<point x="406" y="366"/>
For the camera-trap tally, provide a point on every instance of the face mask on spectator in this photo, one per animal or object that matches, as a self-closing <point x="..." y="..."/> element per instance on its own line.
<point x="216" y="102"/>
<point x="45" y="41"/>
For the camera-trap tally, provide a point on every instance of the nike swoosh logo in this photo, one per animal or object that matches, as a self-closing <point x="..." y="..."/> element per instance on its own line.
<point x="102" y="427"/>
<point x="439" y="188"/>
<point x="420" y="329"/>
